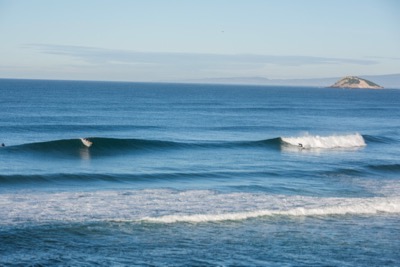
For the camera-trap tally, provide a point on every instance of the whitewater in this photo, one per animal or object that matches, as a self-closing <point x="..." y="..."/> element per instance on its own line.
<point x="191" y="206"/>
<point x="197" y="175"/>
<point x="334" y="141"/>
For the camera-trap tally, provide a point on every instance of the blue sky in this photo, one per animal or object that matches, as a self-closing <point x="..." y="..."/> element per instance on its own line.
<point x="172" y="40"/>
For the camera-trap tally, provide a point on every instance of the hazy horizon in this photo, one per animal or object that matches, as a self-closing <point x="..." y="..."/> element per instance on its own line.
<point x="155" y="41"/>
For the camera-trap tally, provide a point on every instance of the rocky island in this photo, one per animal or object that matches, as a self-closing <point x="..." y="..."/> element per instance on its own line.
<point x="353" y="82"/>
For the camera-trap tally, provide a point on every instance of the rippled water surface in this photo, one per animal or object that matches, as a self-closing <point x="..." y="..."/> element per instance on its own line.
<point x="198" y="175"/>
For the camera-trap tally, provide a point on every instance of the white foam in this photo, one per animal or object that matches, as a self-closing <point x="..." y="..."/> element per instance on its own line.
<point x="375" y="206"/>
<point x="333" y="141"/>
<point x="169" y="206"/>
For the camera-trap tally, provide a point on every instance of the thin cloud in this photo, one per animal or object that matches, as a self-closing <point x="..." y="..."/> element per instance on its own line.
<point x="386" y="58"/>
<point x="95" y="55"/>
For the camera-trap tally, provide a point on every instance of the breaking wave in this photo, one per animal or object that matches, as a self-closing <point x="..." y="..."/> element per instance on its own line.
<point x="326" y="142"/>
<point x="110" y="146"/>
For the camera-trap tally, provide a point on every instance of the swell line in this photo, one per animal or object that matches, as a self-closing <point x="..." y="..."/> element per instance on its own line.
<point x="67" y="178"/>
<point x="109" y="146"/>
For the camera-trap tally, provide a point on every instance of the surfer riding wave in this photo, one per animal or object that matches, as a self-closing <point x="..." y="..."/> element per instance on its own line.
<point x="86" y="142"/>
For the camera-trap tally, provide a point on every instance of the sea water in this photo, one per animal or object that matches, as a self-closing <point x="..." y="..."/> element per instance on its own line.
<point x="198" y="175"/>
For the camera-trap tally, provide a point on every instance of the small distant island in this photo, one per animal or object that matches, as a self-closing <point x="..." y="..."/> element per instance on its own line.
<point x="353" y="82"/>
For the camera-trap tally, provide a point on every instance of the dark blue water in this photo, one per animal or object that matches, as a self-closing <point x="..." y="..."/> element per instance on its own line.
<point x="198" y="175"/>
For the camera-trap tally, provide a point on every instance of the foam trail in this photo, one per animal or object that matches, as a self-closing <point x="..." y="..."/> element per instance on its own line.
<point x="333" y="141"/>
<point x="375" y="206"/>
<point x="170" y="206"/>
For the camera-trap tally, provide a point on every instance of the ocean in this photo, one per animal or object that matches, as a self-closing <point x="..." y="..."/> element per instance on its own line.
<point x="198" y="175"/>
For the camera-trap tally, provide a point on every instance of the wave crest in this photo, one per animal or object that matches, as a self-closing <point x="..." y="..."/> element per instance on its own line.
<point x="111" y="146"/>
<point x="333" y="141"/>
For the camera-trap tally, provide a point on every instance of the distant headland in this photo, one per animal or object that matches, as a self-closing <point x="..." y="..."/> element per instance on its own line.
<point x="387" y="80"/>
<point x="353" y="82"/>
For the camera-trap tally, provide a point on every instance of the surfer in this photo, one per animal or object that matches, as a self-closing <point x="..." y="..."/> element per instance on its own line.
<point x="301" y="145"/>
<point x="2" y="144"/>
<point x="86" y="142"/>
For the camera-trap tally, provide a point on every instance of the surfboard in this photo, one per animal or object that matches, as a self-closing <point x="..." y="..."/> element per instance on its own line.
<point x="86" y="142"/>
